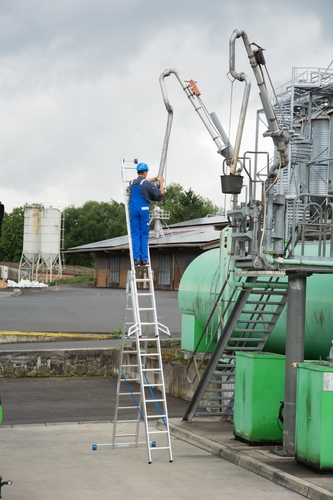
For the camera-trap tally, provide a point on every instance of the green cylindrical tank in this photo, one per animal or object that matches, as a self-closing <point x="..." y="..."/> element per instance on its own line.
<point x="201" y="283"/>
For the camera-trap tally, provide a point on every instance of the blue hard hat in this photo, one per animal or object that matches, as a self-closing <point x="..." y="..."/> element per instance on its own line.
<point x="141" y="167"/>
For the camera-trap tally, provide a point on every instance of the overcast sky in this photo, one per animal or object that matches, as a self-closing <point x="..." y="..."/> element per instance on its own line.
<point x="79" y="87"/>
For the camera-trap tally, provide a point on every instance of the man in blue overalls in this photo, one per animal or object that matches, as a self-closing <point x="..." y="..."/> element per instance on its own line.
<point x="142" y="192"/>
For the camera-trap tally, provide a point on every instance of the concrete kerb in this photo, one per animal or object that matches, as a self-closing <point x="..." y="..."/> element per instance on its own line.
<point x="251" y="464"/>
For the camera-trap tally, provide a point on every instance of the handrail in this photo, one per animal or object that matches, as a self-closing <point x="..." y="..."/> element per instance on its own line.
<point x="193" y="358"/>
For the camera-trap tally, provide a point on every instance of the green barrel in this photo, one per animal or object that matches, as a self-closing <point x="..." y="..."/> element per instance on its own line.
<point x="314" y="402"/>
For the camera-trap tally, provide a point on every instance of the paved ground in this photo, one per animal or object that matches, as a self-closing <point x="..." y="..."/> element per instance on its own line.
<point x="57" y="462"/>
<point x="75" y="309"/>
<point x="49" y="427"/>
<point x="55" y="400"/>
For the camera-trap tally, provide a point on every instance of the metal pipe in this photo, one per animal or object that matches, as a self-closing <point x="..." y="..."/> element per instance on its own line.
<point x="279" y="136"/>
<point x="196" y="102"/>
<point x="242" y="77"/>
<point x="169" y="108"/>
<point x="223" y="134"/>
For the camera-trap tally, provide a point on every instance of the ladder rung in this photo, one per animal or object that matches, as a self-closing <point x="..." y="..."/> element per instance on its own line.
<point x="160" y="432"/>
<point x="125" y="435"/>
<point x="148" y="339"/>
<point x="152" y="385"/>
<point x="151" y="369"/>
<point x="156" y="416"/>
<point x="129" y="421"/>
<point x="129" y="393"/>
<point x="160" y="447"/>
<point x="127" y="407"/>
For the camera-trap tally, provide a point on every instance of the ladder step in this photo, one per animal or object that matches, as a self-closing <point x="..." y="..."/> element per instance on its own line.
<point x="129" y="393"/>
<point x="245" y="339"/>
<point x="160" y="432"/>
<point x="152" y="385"/>
<point x="127" y="407"/>
<point x="151" y="369"/>
<point x="148" y="339"/>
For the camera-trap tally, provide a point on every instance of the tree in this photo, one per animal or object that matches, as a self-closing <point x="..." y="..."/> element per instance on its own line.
<point x="186" y="205"/>
<point x="11" y="239"/>
<point x="94" y="221"/>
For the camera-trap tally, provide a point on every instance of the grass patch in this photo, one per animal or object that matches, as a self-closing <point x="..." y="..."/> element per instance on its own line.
<point x="77" y="280"/>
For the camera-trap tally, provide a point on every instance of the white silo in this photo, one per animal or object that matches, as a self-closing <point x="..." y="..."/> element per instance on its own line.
<point x="50" y="242"/>
<point x="31" y="240"/>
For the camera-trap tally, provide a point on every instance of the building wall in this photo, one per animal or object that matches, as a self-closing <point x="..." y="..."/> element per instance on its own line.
<point x="111" y="269"/>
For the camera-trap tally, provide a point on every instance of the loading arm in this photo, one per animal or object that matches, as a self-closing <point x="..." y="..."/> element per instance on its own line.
<point x="211" y="123"/>
<point x="280" y="136"/>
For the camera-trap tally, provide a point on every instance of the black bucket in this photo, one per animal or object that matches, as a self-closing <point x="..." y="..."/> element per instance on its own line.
<point x="231" y="184"/>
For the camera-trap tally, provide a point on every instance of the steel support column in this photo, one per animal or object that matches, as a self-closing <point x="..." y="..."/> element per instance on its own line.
<point x="294" y="355"/>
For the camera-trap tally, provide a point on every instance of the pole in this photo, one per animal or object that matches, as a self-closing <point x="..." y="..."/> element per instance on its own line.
<point x="294" y="355"/>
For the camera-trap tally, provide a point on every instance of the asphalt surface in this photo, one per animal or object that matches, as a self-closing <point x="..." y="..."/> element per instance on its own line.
<point x="54" y="400"/>
<point x="50" y="425"/>
<point x="77" y="310"/>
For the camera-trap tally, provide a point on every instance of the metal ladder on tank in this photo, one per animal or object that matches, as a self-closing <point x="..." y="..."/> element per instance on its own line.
<point x="140" y="367"/>
<point x="253" y="317"/>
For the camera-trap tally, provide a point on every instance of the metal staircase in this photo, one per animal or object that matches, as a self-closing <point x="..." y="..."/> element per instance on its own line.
<point x="141" y="370"/>
<point x="252" y="317"/>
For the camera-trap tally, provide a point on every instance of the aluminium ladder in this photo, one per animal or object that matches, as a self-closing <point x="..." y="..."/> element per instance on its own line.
<point x="140" y="367"/>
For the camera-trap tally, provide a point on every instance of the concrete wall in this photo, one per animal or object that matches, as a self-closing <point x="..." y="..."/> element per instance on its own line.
<point x="87" y="362"/>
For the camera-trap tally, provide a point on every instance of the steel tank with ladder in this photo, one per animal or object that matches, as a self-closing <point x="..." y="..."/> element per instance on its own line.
<point x="141" y="396"/>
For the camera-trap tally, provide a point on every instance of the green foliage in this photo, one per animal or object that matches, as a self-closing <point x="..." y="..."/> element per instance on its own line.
<point x="77" y="280"/>
<point x="186" y="205"/>
<point x="94" y="221"/>
<point x="11" y="239"/>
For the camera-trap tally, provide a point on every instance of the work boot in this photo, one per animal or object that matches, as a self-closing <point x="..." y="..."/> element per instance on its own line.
<point x="144" y="263"/>
<point x="137" y="262"/>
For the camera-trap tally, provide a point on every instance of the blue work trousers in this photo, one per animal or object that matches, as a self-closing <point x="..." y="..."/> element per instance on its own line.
<point x="139" y="220"/>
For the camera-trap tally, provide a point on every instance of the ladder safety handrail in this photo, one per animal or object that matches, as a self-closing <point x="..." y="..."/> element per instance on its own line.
<point x="193" y="358"/>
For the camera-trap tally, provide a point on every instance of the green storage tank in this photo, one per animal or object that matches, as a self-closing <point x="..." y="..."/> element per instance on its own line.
<point x="203" y="279"/>
<point x="259" y="391"/>
<point x="314" y="415"/>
